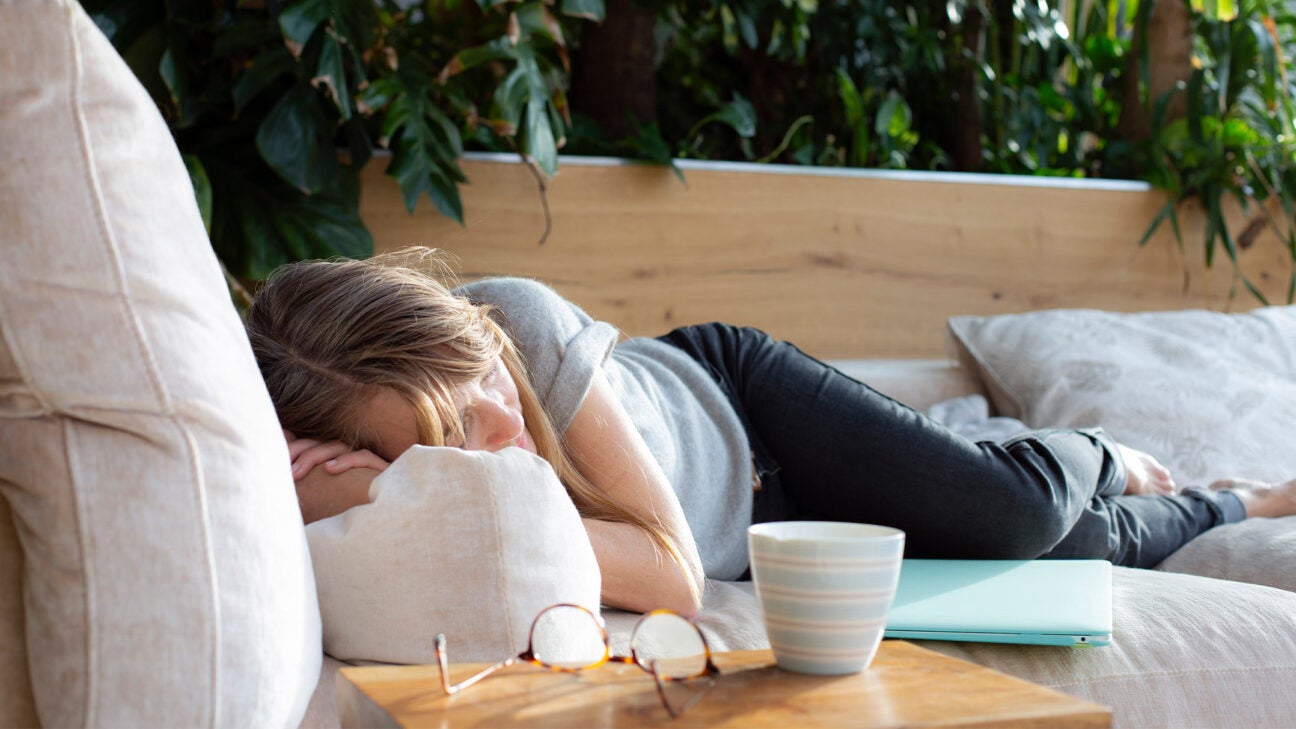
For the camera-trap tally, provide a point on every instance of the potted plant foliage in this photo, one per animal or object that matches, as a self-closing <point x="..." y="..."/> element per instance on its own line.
<point x="1192" y="96"/>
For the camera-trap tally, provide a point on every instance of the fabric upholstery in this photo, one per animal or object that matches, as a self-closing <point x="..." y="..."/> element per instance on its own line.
<point x="1209" y="394"/>
<point x="1187" y="651"/>
<point x="466" y="543"/>
<point x="918" y="383"/>
<point x="1262" y="551"/>
<point x="17" y="707"/>
<point x="165" y="575"/>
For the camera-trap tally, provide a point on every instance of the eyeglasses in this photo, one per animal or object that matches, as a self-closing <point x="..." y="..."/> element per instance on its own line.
<point x="570" y="638"/>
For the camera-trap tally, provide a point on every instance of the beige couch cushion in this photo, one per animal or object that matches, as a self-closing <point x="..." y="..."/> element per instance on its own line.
<point x="165" y="580"/>
<point x="470" y="544"/>
<point x="17" y="707"/>
<point x="1186" y="652"/>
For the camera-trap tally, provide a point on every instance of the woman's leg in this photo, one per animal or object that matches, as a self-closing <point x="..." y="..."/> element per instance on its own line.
<point x="840" y="450"/>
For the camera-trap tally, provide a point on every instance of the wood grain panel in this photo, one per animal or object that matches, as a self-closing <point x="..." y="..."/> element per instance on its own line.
<point x="850" y="265"/>
<point x="906" y="686"/>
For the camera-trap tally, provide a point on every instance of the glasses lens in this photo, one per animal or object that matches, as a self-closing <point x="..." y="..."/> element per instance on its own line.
<point x="670" y="642"/>
<point x="565" y="636"/>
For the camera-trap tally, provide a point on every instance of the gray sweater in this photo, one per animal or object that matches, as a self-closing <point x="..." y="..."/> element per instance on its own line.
<point x="680" y="411"/>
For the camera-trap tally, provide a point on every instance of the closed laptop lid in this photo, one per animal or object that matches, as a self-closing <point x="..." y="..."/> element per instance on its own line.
<point x="1050" y="602"/>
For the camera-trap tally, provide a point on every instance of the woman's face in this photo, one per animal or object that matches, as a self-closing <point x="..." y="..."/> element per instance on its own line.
<point x="488" y="407"/>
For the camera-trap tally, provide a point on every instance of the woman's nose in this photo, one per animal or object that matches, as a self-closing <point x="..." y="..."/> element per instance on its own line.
<point x="497" y="426"/>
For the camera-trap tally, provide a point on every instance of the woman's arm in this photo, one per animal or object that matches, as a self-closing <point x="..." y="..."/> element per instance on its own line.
<point x="330" y="477"/>
<point x="610" y="452"/>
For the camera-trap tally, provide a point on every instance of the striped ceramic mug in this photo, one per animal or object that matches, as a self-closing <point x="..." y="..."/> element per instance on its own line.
<point x="825" y="589"/>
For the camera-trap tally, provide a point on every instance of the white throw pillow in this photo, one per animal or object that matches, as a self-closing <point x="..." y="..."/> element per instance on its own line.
<point x="466" y="543"/>
<point x="165" y="576"/>
<point x="1208" y="394"/>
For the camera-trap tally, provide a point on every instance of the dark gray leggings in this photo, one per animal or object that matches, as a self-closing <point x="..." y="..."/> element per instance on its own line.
<point x="829" y="447"/>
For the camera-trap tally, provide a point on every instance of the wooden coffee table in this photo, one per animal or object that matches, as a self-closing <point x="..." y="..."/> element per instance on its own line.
<point x="906" y="686"/>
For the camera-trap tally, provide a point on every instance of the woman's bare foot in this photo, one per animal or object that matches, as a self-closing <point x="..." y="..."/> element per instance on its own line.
<point x="1260" y="498"/>
<point x="1144" y="474"/>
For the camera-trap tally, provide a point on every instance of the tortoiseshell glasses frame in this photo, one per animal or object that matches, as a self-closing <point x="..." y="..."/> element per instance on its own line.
<point x="664" y="669"/>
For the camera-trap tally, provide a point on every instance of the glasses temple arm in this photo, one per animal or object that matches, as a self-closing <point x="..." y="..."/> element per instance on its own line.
<point x="444" y="665"/>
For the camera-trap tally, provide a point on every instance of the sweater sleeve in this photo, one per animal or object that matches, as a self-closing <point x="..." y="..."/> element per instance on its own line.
<point x="562" y="346"/>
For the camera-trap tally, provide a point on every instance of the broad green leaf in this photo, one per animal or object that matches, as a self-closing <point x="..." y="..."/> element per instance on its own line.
<point x="424" y="156"/>
<point x="538" y="143"/>
<point x="202" y="188"/>
<point x="588" y="9"/>
<point x="296" y="140"/>
<point x="496" y="50"/>
<point x="377" y="94"/>
<point x="511" y="96"/>
<point x="299" y="20"/>
<point x="259" y="222"/>
<point x="330" y="75"/>
<point x="535" y="19"/>
<point x="739" y="114"/>
<point x="894" y="117"/>
<point x="266" y="68"/>
<point x="539" y="137"/>
<point x="647" y="143"/>
<point x="177" y="86"/>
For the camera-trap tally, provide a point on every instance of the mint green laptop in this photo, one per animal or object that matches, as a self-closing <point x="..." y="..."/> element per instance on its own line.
<point x="1042" y="602"/>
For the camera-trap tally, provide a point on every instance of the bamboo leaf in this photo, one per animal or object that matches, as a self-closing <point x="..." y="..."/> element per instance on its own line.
<point x="1264" y="301"/>
<point x="1167" y="209"/>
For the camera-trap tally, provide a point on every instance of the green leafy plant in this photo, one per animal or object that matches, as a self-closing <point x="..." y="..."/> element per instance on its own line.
<point x="1237" y="137"/>
<point x="262" y="96"/>
<point x="1000" y="86"/>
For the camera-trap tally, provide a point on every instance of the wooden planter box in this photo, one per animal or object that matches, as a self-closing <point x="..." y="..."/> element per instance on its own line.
<point x="846" y="263"/>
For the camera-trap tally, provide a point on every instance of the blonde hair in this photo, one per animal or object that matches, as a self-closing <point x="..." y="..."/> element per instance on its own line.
<point x="328" y="335"/>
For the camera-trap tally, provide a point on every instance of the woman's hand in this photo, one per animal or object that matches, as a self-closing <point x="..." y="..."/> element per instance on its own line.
<point x="330" y="477"/>
<point x="1144" y="474"/>
<point x="334" y="455"/>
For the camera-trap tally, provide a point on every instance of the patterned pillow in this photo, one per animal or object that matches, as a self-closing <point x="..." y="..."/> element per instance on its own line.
<point x="1208" y="394"/>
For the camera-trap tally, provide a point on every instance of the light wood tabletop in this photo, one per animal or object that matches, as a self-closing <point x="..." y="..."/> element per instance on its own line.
<point x="907" y="686"/>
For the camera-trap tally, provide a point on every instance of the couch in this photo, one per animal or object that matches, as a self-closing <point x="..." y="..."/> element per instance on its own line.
<point x="153" y="569"/>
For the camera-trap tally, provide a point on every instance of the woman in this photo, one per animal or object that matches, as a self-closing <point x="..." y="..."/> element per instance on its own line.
<point x="672" y="446"/>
